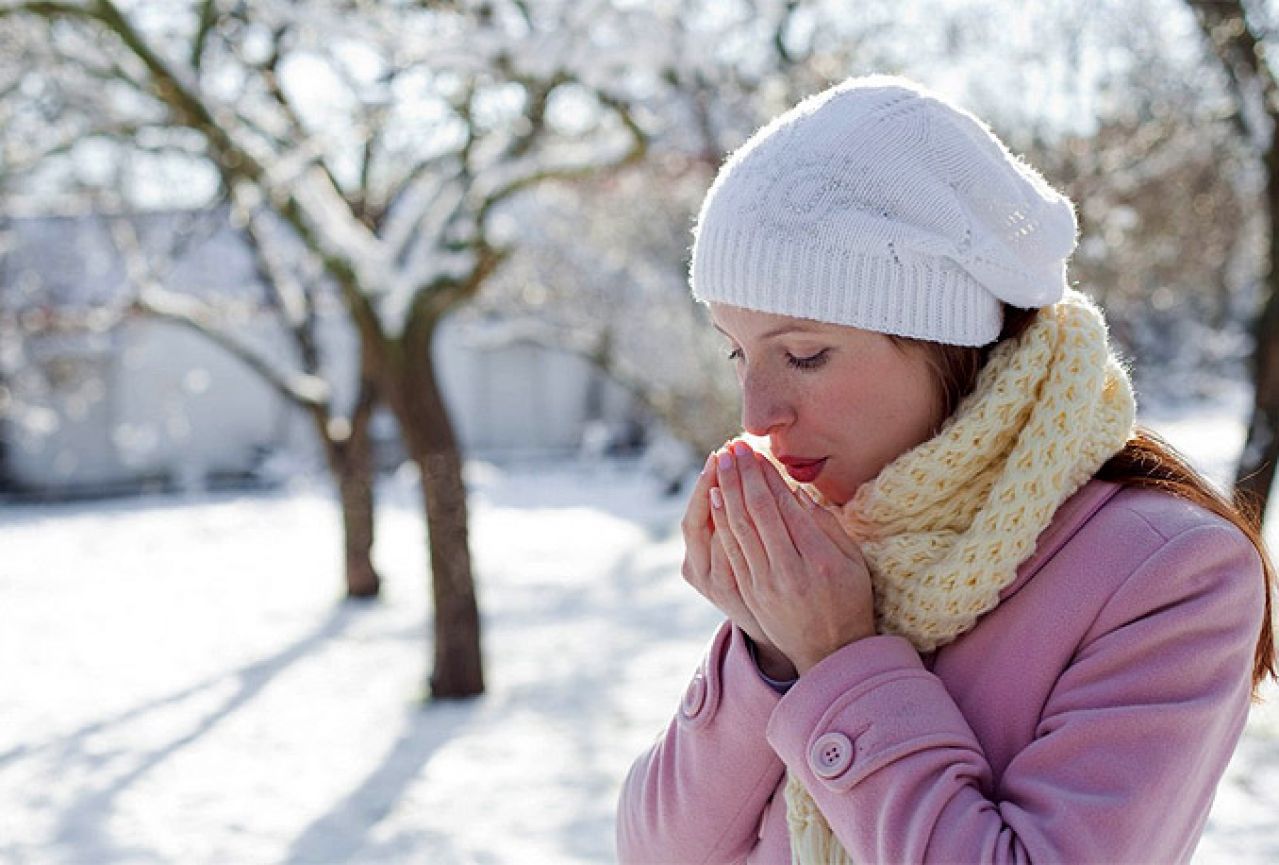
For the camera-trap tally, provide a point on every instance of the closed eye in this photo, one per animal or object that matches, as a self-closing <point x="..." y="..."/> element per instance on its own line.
<point x="811" y="362"/>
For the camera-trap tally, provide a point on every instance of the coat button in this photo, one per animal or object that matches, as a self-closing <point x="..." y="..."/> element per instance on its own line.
<point x="694" y="696"/>
<point x="830" y="755"/>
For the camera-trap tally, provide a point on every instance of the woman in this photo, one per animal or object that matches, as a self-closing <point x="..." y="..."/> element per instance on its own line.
<point x="973" y="615"/>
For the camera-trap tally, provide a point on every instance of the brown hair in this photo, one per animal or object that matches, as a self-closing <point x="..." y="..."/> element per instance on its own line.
<point x="1146" y="462"/>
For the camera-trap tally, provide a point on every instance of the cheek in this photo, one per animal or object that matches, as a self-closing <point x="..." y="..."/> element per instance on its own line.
<point x="888" y="410"/>
<point x="916" y="407"/>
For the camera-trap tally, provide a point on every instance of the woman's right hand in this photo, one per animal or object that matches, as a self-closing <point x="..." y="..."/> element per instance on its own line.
<point x="706" y="569"/>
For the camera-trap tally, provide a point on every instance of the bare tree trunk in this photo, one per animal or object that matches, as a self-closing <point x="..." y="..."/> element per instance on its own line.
<point x="424" y="422"/>
<point x="1241" y="50"/>
<point x="457" y="668"/>
<point x="344" y="229"/>
<point x="1255" y="475"/>
<point x="354" y="472"/>
<point x="356" y="494"/>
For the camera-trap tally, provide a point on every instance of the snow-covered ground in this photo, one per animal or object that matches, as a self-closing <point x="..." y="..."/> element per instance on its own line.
<point x="181" y="685"/>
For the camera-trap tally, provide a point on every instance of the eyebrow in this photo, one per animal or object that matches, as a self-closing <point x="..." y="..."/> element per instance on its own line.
<point x="777" y="331"/>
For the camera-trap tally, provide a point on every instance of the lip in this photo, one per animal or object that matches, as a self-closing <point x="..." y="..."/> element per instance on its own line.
<point x="803" y="470"/>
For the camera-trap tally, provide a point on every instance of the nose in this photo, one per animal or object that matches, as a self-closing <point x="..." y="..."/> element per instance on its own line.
<point x="765" y="404"/>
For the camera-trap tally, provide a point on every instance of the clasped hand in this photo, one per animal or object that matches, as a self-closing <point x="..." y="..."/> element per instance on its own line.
<point x="777" y="564"/>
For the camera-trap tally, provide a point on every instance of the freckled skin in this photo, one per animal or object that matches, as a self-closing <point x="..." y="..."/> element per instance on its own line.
<point x="822" y="390"/>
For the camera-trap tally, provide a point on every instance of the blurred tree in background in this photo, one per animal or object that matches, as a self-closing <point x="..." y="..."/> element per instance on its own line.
<point x="1115" y="102"/>
<point x="1239" y="39"/>
<point x="433" y="116"/>
<point x="544" y="159"/>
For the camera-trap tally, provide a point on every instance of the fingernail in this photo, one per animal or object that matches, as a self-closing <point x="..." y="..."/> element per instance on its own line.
<point x="726" y="459"/>
<point x="717" y="500"/>
<point x="741" y="449"/>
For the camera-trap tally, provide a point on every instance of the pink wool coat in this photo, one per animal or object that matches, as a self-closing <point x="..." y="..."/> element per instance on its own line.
<point x="1088" y="718"/>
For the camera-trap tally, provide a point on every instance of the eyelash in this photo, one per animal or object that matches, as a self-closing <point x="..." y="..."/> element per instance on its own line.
<point x="806" y="363"/>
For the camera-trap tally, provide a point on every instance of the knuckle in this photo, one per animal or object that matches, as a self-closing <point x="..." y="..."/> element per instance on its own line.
<point x="827" y="567"/>
<point x="734" y="514"/>
<point x="743" y="531"/>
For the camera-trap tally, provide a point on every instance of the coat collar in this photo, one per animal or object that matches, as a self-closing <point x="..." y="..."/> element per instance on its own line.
<point x="1070" y="518"/>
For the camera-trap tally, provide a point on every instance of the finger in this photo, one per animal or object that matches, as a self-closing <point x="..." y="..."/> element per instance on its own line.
<point x="796" y="508"/>
<point x="731" y="550"/>
<point x="722" y="571"/>
<point x="761" y="503"/>
<point x="829" y="524"/>
<point x="696" y="526"/>
<point x="808" y="535"/>
<point x="810" y="516"/>
<point x="736" y="518"/>
<point x="697" y="516"/>
<point x="776" y="483"/>
<point x="794" y="503"/>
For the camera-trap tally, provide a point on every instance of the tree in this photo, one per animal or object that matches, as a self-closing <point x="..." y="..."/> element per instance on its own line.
<point x="434" y="122"/>
<point x="294" y="290"/>
<point x="1238" y="40"/>
<point x="604" y="272"/>
<point x="1164" y="191"/>
<point x="52" y="109"/>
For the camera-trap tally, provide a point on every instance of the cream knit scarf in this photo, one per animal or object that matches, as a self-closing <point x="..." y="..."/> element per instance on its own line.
<point x="945" y="526"/>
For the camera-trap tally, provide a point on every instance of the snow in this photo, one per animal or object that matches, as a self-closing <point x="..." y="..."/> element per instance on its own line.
<point x="183" y="684"/>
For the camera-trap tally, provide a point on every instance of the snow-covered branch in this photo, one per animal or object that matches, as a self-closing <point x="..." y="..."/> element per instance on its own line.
<point x="153" y="299"/>
<point x="303" y="389"/>
<point x="46" y="8"/>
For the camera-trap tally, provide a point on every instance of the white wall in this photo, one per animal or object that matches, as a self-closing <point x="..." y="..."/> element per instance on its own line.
<point x="154" y="400"/>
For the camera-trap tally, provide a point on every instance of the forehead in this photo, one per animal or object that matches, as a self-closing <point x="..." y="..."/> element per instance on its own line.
<point x="743" y="323"/>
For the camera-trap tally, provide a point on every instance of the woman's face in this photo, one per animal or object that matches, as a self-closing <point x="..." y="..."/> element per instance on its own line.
<point x="837" y="403"/>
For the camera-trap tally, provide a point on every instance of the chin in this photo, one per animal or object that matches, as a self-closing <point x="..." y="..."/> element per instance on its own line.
<point x="833" y="494"/>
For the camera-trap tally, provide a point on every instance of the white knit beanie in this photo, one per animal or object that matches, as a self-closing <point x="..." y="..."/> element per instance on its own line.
<point x="879" y="204"/>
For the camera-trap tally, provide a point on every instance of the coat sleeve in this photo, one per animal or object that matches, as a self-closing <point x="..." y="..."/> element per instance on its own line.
<point x="698" y="794"/>
<point x="1131" y="743"/>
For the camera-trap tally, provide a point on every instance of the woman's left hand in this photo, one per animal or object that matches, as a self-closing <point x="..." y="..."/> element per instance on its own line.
<point x="802" y="577"/>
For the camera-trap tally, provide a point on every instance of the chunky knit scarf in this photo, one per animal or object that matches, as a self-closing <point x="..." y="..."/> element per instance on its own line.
<point x="944" y="527"/>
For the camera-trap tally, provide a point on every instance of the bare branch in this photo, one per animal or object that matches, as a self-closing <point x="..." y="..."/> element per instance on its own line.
<point x="779" y="34"/>
<point x="45" y="9"/>
<point x="208" y="17"/>
<point x="27" y="161"/>
<point x="1243" y="57"/>
<point x="188" y="108"/>
<point x="270" y="74"/>
<point x="271" y="78"/>
<point x="344" y="253"/>
<point x="411" y="179"/>
<point x="367" y="151"/>
<point x="295" y="301"/>
<point x="525" y="12"/>
<point x="539" y="92"/>
<point x="150" y="298"/>
<point x="304" y="390"/>
<point x="636" y="151"/>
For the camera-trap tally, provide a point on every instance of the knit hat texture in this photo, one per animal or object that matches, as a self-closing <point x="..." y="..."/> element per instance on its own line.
<point x="880" y="205"/>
